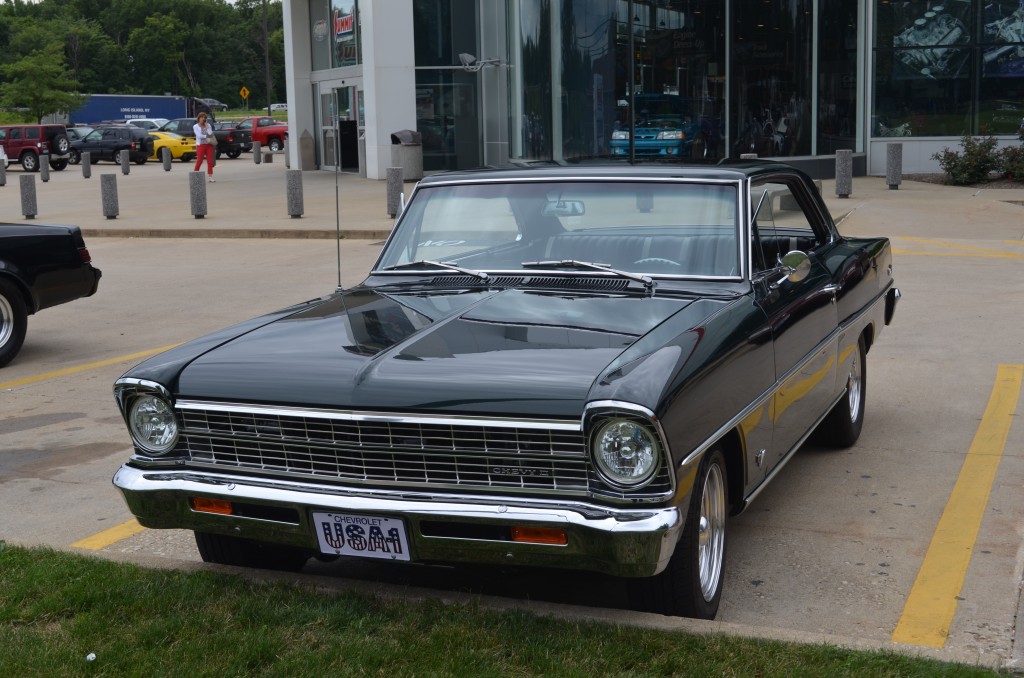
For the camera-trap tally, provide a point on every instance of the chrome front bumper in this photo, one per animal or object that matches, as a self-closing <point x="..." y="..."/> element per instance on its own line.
<point x="441" y="528"/>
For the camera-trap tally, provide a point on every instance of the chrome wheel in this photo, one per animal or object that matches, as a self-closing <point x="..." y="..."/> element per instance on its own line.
<point x="855" y="388"/>
<point x="6" y="321"/>
<point x="711" y="538"/>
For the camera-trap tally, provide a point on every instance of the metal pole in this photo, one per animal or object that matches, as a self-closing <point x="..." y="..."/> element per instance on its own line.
<point x="631" y="118"/>
<point x="266" y="53"/>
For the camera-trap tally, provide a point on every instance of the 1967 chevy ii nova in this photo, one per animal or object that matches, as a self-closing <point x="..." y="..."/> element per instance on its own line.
<point x="588" y="368"/>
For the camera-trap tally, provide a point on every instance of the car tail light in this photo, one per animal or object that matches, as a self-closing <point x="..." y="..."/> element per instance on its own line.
<point x="132" y="147"/>
<point x="83" y="253"/>
<point x="231" y="137"/>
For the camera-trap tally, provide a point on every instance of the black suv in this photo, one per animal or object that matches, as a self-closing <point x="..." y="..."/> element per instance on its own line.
<point x="107" y="141"/>
<point x="26" y="143"/>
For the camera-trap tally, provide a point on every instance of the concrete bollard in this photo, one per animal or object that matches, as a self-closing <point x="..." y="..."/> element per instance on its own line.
<point x="165" y="158"/>
<point x="86" y="165"/>
<point x="197" y="194"/>
<point x="844" y="173"/>
<point x="893" y="165"/>
<point x="294" y="189"/>
<point x="44" y="168"/>
<point x="28" y="196"/>
<point x="748" y="156"/>
<point x="3" y="174"/>
<point x="268" y="156"/>
<point x="125" y="163"/>
<point x="287" y="159"/>
<point x="256" y="157"/>
<point x="108" y="194"/>
<point x="394" y="175"/>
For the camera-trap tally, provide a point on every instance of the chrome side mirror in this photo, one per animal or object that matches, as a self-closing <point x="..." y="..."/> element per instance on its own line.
<point x="796" y="264"/>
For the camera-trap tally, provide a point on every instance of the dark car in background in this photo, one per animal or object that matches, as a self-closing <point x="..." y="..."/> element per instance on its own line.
<point x="40" y="266"/>
<point x="106" y="142"/>
<point x="231" y="141"/>
<point x="589" y="368"/>
<point x="27" y="144"/>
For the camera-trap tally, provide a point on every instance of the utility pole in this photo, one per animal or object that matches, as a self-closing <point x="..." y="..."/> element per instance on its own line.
<point x="266" y="53"/>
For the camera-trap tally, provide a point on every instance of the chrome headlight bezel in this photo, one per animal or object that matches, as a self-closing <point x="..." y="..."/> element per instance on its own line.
<point x="148" y="412"/>
<point x="627" y="451"/>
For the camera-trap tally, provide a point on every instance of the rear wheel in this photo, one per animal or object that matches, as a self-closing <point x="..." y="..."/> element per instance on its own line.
<point x="58" y="165"/>
<point x="234" y="153"/>
<point x="223" y="550"/>
<point x="842" y="426"/>
<point x="74" y="156"/>
<point x="13" y="321"/>
<point x="691" y="585"/>
<point x="275" y="144"/>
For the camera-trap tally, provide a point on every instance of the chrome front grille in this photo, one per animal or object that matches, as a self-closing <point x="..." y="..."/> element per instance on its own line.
<point x="455" y="452"/>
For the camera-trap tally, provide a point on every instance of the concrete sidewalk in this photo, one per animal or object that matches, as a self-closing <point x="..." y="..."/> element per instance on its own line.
<point x="250" y="201"/>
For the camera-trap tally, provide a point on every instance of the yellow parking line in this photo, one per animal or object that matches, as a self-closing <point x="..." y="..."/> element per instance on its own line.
<point x="105" y="538"/>
<point x="83" y="368"/>
<point x="929" y="610"/>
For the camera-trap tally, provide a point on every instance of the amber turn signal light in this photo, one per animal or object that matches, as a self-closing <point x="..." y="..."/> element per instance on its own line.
<point x="540" y="535"/>
<point x="207" y="505"/>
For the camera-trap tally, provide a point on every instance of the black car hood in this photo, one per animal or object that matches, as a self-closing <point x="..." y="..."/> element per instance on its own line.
<point x="509" y="352"/>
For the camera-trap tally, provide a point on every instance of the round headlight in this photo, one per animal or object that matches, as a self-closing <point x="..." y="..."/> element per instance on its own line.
<point x="626" y="452"/>
<point x="152" y="424"/>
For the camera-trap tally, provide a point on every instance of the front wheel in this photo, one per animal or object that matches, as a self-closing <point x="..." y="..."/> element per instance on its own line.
<point x="13" y="321"/>
<point x="30" y="162"/>
<point x="691" y="585"/>
<point x="842" y="426"/>
<point x="59" y="165"/>
<point x="224" y="550"/>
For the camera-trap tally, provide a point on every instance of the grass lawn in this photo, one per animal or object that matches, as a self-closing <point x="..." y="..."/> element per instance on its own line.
<point x="67" y="615"/>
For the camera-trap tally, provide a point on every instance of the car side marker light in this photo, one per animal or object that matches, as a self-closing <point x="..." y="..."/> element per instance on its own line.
<point x="540" y="535"/>
<point x="207" y="505"/>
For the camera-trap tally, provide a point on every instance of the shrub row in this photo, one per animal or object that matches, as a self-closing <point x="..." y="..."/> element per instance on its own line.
<point x="979" y="162"/>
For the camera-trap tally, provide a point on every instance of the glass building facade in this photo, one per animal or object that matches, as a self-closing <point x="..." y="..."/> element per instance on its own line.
<point x="573" y="81"/>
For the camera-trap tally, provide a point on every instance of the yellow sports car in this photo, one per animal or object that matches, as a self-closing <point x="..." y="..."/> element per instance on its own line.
<point x="183" y="148"/>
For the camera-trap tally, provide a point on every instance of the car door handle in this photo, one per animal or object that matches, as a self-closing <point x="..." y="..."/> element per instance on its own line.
<point x="832" y="289"/>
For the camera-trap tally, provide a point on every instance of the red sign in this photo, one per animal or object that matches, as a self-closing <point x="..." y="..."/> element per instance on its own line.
<point x="344" y="24"/>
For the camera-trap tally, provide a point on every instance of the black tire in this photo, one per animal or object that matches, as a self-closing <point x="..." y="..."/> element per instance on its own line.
<point x="841" y="428"/>
<point x="13" y="321"/>
<point x="94" y="158"/>
<point x="234" y="153"/>
<point x="58" y="165"/>
<point x="141" y="160"/>
<point x="223" y="550"/>
<point x="30" y="162"/>
<point x="74" y="156"/>
<point x="275" y="144"/>
<point x="61" y="144"/>
<point x="691" y="585"/>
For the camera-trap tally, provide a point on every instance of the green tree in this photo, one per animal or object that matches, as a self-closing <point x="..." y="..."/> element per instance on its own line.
<point x="40" y="84"/>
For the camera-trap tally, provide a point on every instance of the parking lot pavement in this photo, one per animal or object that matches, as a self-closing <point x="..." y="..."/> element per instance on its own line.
<point x="829" y="552"/>
<point x="247" y="200"/>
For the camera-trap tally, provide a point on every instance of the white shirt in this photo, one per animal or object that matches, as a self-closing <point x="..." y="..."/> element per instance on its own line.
<point x="203" y="134"/>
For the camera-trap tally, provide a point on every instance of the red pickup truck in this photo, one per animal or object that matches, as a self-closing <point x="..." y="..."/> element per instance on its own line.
<point x="269" y="132"/>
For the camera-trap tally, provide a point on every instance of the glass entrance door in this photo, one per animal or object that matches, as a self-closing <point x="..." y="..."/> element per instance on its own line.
<point x="339" y="128"/>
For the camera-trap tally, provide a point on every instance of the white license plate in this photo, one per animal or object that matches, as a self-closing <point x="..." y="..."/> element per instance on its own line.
<point x="349" y="534"/>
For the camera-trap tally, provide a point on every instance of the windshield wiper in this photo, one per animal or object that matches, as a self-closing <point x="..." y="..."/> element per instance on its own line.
<point x="439" y="264"/>
<point x="645" y="280"/>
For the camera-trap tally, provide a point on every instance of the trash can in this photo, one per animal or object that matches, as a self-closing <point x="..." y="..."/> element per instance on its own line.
<point x="407" y="153"/>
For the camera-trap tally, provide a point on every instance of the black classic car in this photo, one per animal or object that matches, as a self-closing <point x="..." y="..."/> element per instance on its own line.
<point x="41" y="266"/>
<point x="588" y="368"/>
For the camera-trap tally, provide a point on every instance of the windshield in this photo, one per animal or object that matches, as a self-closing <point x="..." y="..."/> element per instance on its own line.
<point x="663" y="228"/>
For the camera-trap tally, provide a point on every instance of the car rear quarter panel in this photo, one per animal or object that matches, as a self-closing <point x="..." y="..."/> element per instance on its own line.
<point x="46" y="263"/>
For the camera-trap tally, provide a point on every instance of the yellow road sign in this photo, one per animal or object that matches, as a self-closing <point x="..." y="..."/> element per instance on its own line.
<point x="244" y="92"/>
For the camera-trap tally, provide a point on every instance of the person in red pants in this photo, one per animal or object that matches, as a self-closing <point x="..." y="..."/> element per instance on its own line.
<point x="206" y="142"/>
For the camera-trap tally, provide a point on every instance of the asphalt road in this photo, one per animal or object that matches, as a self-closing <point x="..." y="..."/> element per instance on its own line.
<point x="834" y="546"/>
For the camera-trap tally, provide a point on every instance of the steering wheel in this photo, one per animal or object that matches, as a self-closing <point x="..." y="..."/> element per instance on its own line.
<point x="657" y="260"/>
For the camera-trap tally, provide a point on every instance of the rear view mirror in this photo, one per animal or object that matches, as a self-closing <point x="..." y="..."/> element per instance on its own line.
<point x="565" y="208"/>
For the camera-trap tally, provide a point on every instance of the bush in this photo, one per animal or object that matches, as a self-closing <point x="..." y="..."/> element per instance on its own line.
<point x="1011" y="163"/>
<point x="973" y="166"/>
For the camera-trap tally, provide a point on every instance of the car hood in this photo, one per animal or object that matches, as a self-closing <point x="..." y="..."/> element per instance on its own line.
<point x="509" y="352"/>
